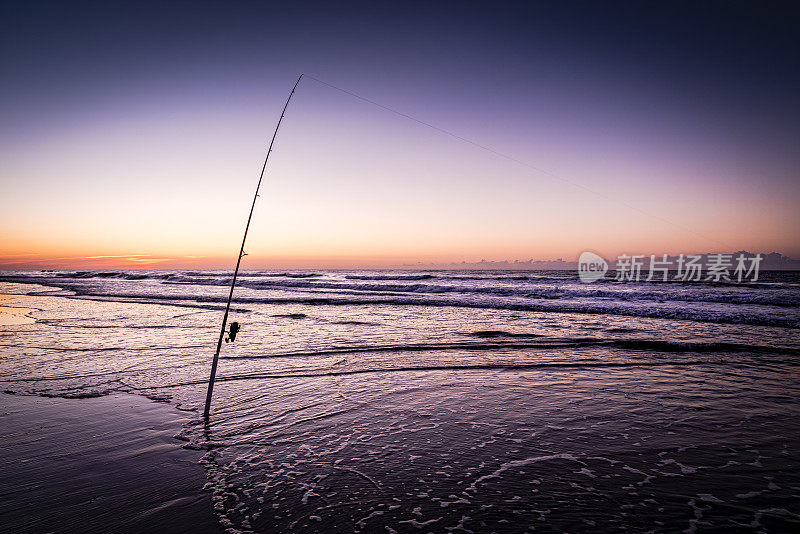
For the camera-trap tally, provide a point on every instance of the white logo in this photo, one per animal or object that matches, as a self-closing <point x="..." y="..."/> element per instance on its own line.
<point x="719" y="268"/>
<point x="591" y="267"/>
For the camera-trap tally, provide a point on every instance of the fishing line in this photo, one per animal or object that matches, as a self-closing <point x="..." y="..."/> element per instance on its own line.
<point x="516" y="160"/>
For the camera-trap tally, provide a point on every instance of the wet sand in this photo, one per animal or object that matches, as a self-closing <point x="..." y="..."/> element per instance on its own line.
<point x="107" y="464"/>
<point x="11" y="313"/>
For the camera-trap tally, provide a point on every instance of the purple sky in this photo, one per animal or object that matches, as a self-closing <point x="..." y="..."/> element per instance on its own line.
<point x="139" y="129"/>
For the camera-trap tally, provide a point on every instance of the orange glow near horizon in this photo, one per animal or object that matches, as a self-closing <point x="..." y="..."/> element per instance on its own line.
<point x="172" y="190"/>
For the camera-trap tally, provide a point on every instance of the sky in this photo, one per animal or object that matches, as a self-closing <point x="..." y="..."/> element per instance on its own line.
<point x="132" y="134"/>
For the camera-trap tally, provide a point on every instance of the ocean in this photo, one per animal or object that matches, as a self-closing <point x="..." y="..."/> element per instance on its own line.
<point x="446" y="401"/>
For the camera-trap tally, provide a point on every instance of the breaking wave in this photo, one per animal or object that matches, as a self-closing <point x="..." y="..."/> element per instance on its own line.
<point x="772" y="303"/>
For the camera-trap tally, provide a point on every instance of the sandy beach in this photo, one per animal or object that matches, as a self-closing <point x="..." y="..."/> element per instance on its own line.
<point x="108" y="464"/>
<point x="365" y="401"/>
<point x="11" y="313"/>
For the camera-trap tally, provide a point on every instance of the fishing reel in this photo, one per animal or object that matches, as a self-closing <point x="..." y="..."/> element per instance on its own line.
<point x="234" y="329"/>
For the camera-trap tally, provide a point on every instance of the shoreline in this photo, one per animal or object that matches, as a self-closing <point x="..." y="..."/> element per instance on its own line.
<point x="102" y="464"/>
<point x="14" y="315"/>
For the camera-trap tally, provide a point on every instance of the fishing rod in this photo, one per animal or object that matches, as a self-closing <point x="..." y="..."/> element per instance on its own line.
<point x="235" y="325"/>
